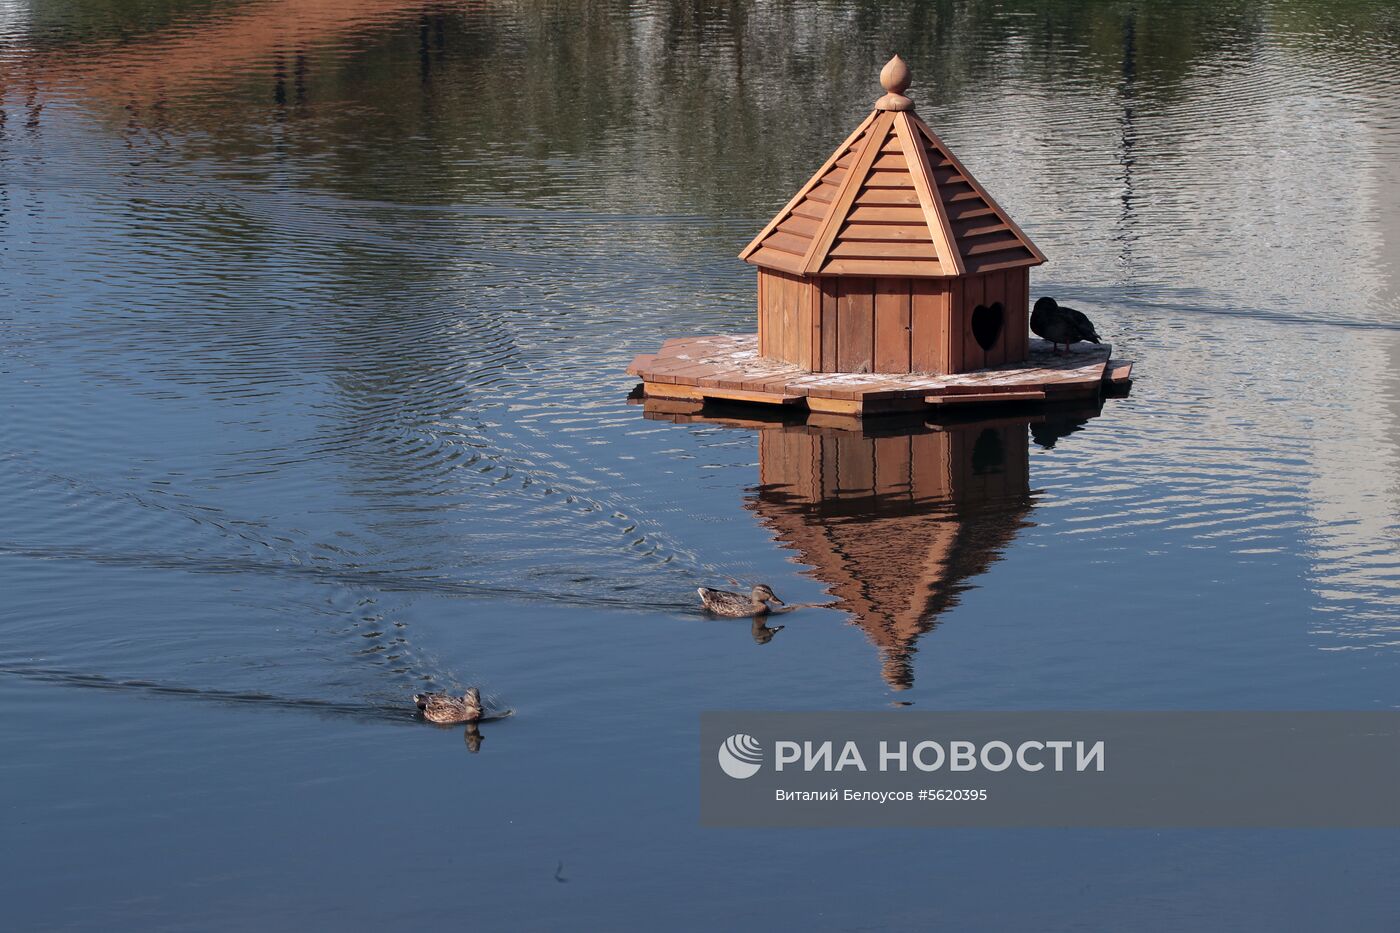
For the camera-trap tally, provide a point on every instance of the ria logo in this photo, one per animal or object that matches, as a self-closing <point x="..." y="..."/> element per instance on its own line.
<point x="740" y="756"/>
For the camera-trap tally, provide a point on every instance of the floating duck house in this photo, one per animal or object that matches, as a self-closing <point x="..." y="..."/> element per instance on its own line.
<point x="892" y="281"/>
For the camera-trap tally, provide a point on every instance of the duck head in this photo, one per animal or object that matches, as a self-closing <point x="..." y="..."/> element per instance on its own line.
<point x="1045" y="303"/>
<point x="763" y="593"/>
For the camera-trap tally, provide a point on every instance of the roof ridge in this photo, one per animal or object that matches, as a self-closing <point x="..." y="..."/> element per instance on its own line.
<point x="926" y="186"/>
<point x="976" y="186"/>
<point x="880" y="127"/>
<point x="812" y="182"/>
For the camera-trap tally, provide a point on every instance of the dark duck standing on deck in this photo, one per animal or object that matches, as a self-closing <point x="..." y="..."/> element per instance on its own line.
<point x="1061" y="325"/>
<point x="439" y="707"/>
<point x="737" y="605"/>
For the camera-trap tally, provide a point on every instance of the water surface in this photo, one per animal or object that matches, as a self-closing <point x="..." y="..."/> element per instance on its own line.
<point x="314" y="319"/>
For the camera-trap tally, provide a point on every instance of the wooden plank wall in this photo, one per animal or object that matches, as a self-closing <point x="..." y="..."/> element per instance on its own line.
<point x="974" y="293"/>
<point x="1018" y="314"/>
<point x="1010" y="287"/>
<point x="928" y="326"/>
<point x="855" y="325"/>
<point x="831" y="296"/>
<point x="884" y="325"/>
<point x="786" y="316"/>
<point x="890" y="325"/>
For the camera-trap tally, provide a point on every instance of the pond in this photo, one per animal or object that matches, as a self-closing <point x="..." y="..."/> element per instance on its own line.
<point x="314" y="324"/>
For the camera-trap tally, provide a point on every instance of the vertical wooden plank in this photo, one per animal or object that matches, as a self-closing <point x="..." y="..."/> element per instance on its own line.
<point x="973" y="290"/>
<point x="780" y="454"/>
<point x="765" y="456"/>
<point x="762" y="314"/>
<point x="1018" y="311"/>
<point x="800" y="462"/>
<point x="799" y="321"/>
<point x="802" y="339"/>
<point x="794" y="325"/>
<point x="1006" y="288"/>
<point x="891" y="325"/>
<point x="995" y="291"/>
<point x="925" y="340"/>
<point x="1030" y="303"/>
<point x="775" y="315"/>
<point x="782" y="334"/>
<point x="827" y="458"/>
<point x="811" y="303"/>
<point x="829" y="328"/>
<point x="780" y="328"/>
<point x="953" y="320"/>
<point x="1013" y="316"/>
<point x="855" y="325"/>
<point x="774" y="323"/>
<point x="892" y="465"/>
<point x="928" y="467"/>
<point x="1026" y="312"/>
<point x="855" y="463"/>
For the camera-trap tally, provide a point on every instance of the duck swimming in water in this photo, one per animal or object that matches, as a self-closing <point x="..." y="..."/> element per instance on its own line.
<point x="1061" y="325"/>
<point x="737" y="605"/>
<point x="439" y="707"/>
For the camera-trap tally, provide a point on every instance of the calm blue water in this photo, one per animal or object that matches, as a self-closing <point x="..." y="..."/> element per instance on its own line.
<point x="314" y="319"/>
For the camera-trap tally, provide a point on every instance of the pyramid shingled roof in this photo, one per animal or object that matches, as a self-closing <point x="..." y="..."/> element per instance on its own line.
<point x="892" y="200"/>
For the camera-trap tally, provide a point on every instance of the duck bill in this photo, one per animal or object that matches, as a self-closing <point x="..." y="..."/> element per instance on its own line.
<point x="775" y="599"/>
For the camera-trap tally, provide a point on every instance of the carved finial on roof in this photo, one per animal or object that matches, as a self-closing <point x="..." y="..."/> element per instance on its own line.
<point x="894" y="78"/>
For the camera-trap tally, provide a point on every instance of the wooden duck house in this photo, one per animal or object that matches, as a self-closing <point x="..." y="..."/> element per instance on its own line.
<point x="891" y="281"/>
<point x="893" y="258"/>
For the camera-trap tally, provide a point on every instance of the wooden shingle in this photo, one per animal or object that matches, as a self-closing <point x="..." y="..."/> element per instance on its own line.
<point x="892" y="200"/>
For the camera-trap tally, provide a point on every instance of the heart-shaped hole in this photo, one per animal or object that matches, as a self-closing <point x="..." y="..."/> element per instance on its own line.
<point x="986" y="324"/>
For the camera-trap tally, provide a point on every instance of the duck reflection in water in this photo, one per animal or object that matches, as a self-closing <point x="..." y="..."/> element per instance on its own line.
<point x="762" y="632"/>
<point x="897" y="520"/>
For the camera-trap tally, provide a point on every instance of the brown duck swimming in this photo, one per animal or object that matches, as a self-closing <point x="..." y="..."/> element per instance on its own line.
<point x="1061" y="325"/>
<point x="439" y="707"/>
<point x="737" y="605"/>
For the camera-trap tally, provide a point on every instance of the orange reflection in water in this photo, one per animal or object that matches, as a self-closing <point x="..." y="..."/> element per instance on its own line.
<point x="897" y="521"/>
<point x="198" y="51"/>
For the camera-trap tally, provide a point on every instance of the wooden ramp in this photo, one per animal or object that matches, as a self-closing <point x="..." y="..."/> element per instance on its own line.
<point x="729" y="367"/>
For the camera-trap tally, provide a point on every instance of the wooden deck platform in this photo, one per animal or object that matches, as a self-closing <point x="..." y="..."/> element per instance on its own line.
<point x="728" y="367"/>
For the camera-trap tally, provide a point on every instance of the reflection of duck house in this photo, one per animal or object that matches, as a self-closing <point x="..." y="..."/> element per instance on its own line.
<point x="895" y="524"/>
<point x="891" y="282"/>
